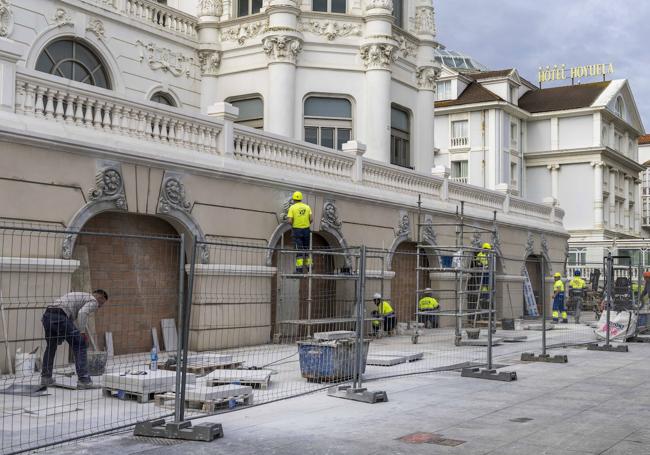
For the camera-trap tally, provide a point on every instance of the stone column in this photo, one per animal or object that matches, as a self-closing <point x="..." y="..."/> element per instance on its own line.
<point x="209" y="50"/>
<point x="428" y="71"/>
<point x="613" y="173"/>
<point x="378" y="51"/>
<point x="555" y="183"/>
<point x="598" y="194"/>
<point x="282" y="43"/>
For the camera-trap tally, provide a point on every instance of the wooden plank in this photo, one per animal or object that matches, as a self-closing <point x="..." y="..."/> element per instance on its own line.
<point x="170" y="337"/>
<point x="109" y="344"/>
<point x="253" y="378"/>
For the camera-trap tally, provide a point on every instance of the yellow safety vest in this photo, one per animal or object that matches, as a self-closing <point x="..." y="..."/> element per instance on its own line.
<point x="384" y="308"/>
<point x="577" y="283"/>
<point x="482" y="258"/>
<point x="299" y="214"/>
<point x="558" y="286"/>
<point x="427" y="303"/>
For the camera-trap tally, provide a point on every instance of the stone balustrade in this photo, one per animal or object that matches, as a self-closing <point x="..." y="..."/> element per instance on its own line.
<point x="402" y="180"/>
<point x="43" y="96"/>
<point x="161" y="16"/>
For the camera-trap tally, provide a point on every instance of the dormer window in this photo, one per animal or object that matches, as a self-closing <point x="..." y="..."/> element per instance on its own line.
<point x="619" y="106"/>
<point x="443" y="90"/>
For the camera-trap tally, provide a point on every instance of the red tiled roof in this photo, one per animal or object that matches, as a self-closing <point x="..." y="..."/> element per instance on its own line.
<point x="489" y="74"/>
<point x="645" y="139"/>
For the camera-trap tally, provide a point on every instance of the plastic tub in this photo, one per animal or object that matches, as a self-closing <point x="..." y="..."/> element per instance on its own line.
<point x="25" y="363"/>
<point x="326" y="361"/>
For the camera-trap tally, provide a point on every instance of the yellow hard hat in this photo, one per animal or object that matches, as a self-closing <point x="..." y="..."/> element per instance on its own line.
<point x="486" y="246"/>
<point x="557" y="275"/>
<point x="297" y="196"/>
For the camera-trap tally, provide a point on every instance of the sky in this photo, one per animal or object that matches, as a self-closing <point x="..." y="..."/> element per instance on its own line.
<point x="527" y="34"/>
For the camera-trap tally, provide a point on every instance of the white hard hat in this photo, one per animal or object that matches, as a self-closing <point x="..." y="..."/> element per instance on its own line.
<point x="427" y="290"/>
<point x="376" y="296"/>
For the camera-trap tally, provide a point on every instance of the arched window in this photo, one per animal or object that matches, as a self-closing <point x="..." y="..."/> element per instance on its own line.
<point x="73" y="60"/>
<point x="619" y="106"/>
<point x="163" y="98"/>
<point x="251" y="111"/>
<point x="328" y="121"/>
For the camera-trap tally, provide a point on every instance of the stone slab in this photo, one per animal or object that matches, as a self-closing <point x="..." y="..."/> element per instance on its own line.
<point x="157" y="381"/>
<point x="254" y="377"/>
<point x="482" y="341"/>
<point x="334" y="335"/>
<point x="203" y="358"/>
<point x="201" y="392"/>
<point x="538" y="327"/>
<point x="393" y="358"/>
<point x="513" y="338"/>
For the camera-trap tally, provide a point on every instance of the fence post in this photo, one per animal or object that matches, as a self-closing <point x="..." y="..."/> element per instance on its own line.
<point x="543" y="299"/>
<point x="179" y="403"/>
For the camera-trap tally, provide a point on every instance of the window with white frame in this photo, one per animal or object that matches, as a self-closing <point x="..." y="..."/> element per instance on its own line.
<point x="329" y="6"/>
<point x="248" y="7"/>
<point x="443" y="90"/>
<point x="514" y="136"/>
<point x="619" y="106"/>
<point x="513" y="95"/>
<point x="459" y="133"/>
<point x="251" y="111"/>
<point x="163" y="98"/>
<point x="328" y="121"/>
<point x="618" y="142"/>
<point x="513" y="174"/>
<point x="577" y="256"/>
<point x="398" y="12"/>
<point x="460" y="171"/>
<point x="400" y="137"/>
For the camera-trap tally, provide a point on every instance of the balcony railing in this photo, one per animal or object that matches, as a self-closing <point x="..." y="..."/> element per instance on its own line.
<point x="80" y="107"/>
<point x="464" y="179"/>
<point x="457" y="142"/>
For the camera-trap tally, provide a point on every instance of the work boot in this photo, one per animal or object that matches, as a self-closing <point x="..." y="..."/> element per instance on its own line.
<point x="87" y="385"/>
<point x="299" y="270"/>
<point x="565" y="321"/>
<point x="46" y="382"/>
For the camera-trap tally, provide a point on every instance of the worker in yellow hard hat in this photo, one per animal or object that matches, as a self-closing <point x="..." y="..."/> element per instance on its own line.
<point x="483" y="261"/>
<point x="300" y="217"/>
<point x="577" y="287"/>
<point x="384" y="311"/>
<point x="427" y="309"/>
<point x="558" y="299"/>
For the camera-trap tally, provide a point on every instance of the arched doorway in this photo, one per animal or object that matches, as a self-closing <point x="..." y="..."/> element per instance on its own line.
<point x="140" y="275"/>
<point x="293" y="301"/>
<point x="404" y="285"/>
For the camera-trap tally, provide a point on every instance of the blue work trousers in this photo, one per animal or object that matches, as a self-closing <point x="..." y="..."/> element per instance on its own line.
<point x="59" y="328"/>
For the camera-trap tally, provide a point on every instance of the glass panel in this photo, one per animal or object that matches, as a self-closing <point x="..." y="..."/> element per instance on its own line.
<point x="44" y="63"/>
<point x="242" y="8"/>
<point x="65" y="69"/>
<point x="162" y="98"/>
<point x="397" y="12"/>
<point x="338" y="6"/>
<point x="327" y="137"/>
<point x="85" y="56"/>
<point x="459" y="129"/>
<point x="319" y="5"/>
<point x="60" y="50"/>
<point x="100" y="78"/>
<point x="448" y="61"/>
<point x="342" y="136"/>
<point x="251" y="108"/>
<point x="81" y="74"/>
<point x="311" y="134"/>
<point x="257" y="6"/>
<point x="316" y="106"/>
<point x="399" y="119"/>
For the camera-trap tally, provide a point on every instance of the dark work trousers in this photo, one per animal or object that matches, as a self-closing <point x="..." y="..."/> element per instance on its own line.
<point x="301" y="242"/>
<point x="59" y="328"/>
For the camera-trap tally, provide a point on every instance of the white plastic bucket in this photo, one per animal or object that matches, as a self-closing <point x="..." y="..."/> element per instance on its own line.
<point x="25" y="363"/>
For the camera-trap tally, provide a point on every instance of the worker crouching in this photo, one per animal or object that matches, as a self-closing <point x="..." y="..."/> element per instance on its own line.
<point x="558" y="299"/>
<point x="427" y="309"/>
<point x="385" y="311"/>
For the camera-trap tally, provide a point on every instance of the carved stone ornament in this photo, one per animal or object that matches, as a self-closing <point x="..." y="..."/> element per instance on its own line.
<point x="378" y="56"/>
<point x="330" y="216"/>
<point x="66" y="248"/>
<point x="109" y="186"/>
<point x="428" y="233"/>
<point x="406" y="47"/>
<point x="544" y="245"/>
<point x="210" y="8"/>
<point x="427" y="77"/>
<point x="243" y="32"/>
<point x="284" y="209"/>
<point x="6" y="19"/>
<point x="403" y="226"/>
<point x="530" y="245"/>
<point x="330" y="29"/>
<point x="383" y="4"/>
<point x="209" y="61"/>
<point x="172" y="196"/>
<point x="496" y="239"/>
<point x="424" y="20"/>
<point x="282" y="48"/>
<point x="97" y="27"/>
<point x="161" y="58"/>
<point x="61" y="17"/>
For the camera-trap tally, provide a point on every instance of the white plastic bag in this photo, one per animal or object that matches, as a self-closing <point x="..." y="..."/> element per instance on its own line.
<point x="622" y="324"/>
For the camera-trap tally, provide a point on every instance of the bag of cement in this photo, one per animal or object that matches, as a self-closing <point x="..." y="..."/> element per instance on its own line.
<point x="622" y="325"/>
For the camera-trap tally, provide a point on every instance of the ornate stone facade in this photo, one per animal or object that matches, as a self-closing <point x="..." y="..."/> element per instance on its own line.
<point x="378" y="56"/>
<point x="162" y="58"/>
<point x="209" y="60"/>
<point x="382" y="4"/>
<point x="6" y="19"/>
<point x="61" y="17"/>
<point x="243" y="32"/>
<point x="172" y="195"/>
<point x="282" y="48"/>
<point x="210" y="8"/>
<point x="425" y="21"/>
<point x="109" y="186"/>
<point x="427" y="77"/>
<point x="330" y="216"/>
<point x="428" y="233"/>
<point x="96" y="27"/>
<point x="403" y="226"/>
<point x="330" y="29"/>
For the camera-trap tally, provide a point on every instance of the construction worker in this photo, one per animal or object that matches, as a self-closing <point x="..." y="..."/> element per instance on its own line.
<point x="558" y="299"/>
<point x="482" y="259"/>
<point x="645" y="294"/>
<point x="66" y="320"/>
<point x="385" y="311"/>
<point x="427" y="307"/>
<point x="577" y="287"/>
<point x="300" y="217"/>
<point x="482" y="256"/>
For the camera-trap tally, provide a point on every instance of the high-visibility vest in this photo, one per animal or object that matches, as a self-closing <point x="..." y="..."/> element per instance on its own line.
<point x="384" y="308"/>
<point x="299" y="213"/>
<point x="577" y="283"/>
<point x="558" y="286"/>
<point x="427" y="303"/>
<point x="482" y="258"/>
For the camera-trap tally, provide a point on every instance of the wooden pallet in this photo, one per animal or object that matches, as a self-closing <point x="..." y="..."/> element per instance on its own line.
<point x="168" y="400"/>
<point x="258" y="379"/>
<point x="139" y="397"/>
<point x="203" y="368"/>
